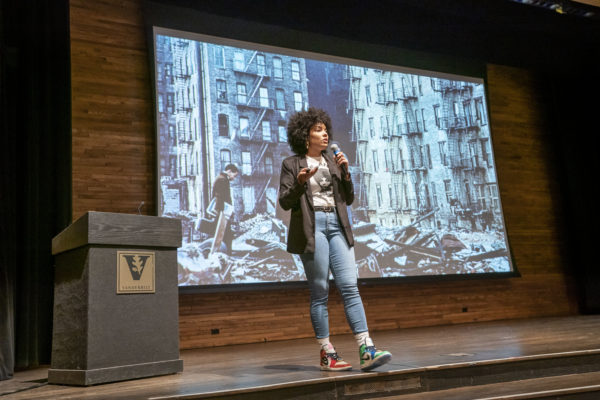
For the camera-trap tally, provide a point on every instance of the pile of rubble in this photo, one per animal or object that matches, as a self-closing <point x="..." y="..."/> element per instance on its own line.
<point x="408" y="251"/>
<point x="259" y="254"/>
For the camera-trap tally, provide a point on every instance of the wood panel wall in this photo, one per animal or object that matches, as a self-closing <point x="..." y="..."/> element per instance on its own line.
<point x="112" y="120"/>
<point x="113" y="166"/>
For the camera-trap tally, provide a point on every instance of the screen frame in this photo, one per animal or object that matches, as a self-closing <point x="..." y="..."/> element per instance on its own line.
<point x="185" y="23"/>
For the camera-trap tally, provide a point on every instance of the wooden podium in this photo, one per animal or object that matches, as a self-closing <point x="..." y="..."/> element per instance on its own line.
<point x="115" y="299"/>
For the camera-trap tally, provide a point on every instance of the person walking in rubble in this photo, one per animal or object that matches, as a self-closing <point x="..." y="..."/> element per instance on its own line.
<point x="222" y="194"/>
<point x="316" y="186"/>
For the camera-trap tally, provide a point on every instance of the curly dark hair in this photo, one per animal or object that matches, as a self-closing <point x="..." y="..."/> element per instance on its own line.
<point x="299" y="128"/>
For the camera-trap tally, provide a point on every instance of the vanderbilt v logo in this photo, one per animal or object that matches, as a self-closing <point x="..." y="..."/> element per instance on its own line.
<point x="135" y="272"/>
<point x="136" y="265"/>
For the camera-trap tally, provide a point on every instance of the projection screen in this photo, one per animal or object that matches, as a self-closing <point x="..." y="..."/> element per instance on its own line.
<point x="421" y="158"/>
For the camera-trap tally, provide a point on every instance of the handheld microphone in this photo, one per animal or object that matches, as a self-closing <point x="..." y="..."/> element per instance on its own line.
<point x="336" y="149"/>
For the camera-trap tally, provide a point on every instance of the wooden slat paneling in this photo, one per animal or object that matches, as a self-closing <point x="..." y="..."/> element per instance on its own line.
<point x="113" y="167"/>
<point x="113" y="137"/>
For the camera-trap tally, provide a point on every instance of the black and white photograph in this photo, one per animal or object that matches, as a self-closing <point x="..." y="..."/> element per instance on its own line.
<point x="419" y="148"/>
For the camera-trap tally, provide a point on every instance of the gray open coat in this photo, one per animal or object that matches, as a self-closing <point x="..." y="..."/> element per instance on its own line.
<point x="298" y="198"/>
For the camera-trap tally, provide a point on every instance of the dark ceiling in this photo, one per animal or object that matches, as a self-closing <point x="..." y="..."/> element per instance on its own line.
<point x="500" y="31"/>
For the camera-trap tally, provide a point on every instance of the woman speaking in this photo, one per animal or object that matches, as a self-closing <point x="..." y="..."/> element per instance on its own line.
<point x="316" y="186"/>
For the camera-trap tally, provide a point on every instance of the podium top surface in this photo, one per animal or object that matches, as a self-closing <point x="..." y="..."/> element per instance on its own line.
<point x="103" y="228"/>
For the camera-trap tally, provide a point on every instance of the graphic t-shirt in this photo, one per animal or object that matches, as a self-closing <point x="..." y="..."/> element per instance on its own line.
<point x="320" y="183"/>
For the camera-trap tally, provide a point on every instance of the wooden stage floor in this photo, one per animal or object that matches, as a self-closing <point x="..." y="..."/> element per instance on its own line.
<point x="429" y="360"/>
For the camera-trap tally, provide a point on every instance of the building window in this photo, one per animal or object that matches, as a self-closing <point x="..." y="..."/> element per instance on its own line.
<point x="417" y="120"/>
<point x="261" y="65"/>
<point x="161" y="105"/>
<point x="383" y="124"/>
<point x="467" y="112"/>
<point x="281" y="130"/>
<point x="386" y="159"/>
<point x="223" y="125"/>
<point x="279" y="99"/>
<point x="486" y="154"/>
<point x="401" y="154"/>
<point x="480" y="111"/>
<point x="219" y="53"/>
<point x="298" y="101"/>
<point x="246" y="163"/>
<point x="241" y="93"/>
<point x="474" y="154"/>
<point x="493" y="195"/>
<point x="436" y="113"/>
<point x="423" y="119"/>
<point x="221" y="91"/>
<point x="427" y="198"/>
<point x="169" y="73"/>
<point x="381" y="92"/>
<point x="371" y="127"/>
<point x="375" y="161"/>
<point x="480" y="190"/>
<point x="295" y="70"/>
<point x="266" y="131"/>
<point x="368" y="94"/>
<point x="405" y="91"/>
<point x="418" y="194"/>
<point x="413" y="85"/>
<point x="359" y="131"/>
<point x="170" y="103"/>
<point x="244" y="122"/>
<point x="448" y="189"/>
<point x="183" y="165"/>
<point x="173" y="166"/>
<point x="263" y="93"/>
<point x="443" y="157"/>
<point x="238" y="61"/>
<point x="468" y="193"/>
<point x="379" y="196"/>
<point x="268" y="164"/>
<point x="225" y="158"/>
<point x="428" y="152"/>
<point x="277" y="68"/>
<point x="391" y="196"/>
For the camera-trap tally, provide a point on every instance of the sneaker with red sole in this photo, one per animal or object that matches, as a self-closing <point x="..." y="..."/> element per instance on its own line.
<point x="333" y="362"/>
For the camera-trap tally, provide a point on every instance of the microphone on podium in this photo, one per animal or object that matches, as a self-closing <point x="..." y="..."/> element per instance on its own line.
<point x="336" y="149"/>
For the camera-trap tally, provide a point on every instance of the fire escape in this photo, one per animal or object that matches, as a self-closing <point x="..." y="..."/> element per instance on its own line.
<point x="257" y="104"/>
<point x="465" y="154"/>
<point x="187" y="164"/>
<point x="356" y="107"/>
